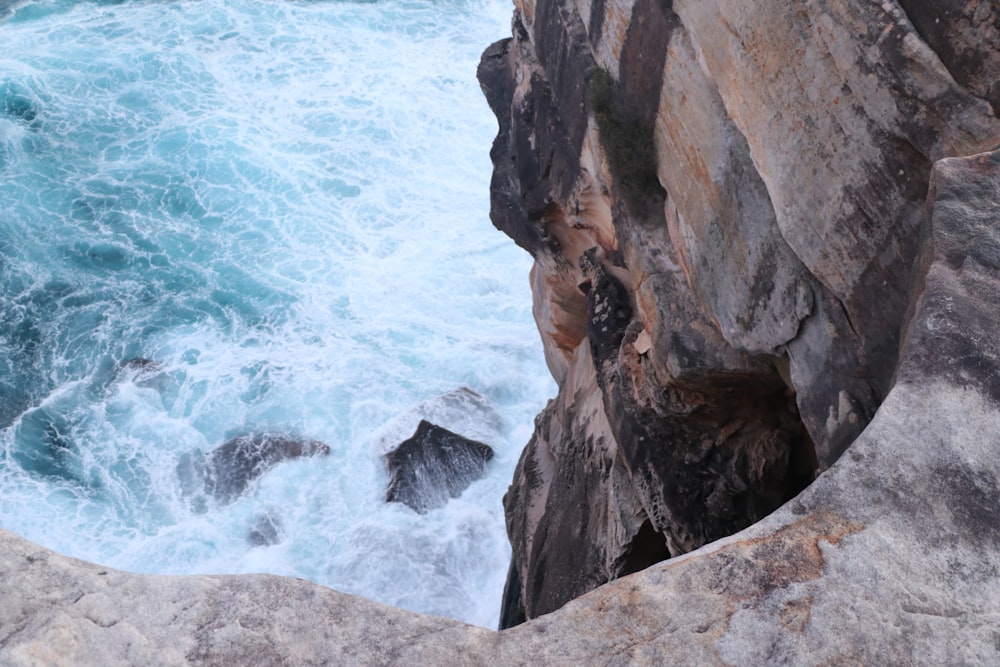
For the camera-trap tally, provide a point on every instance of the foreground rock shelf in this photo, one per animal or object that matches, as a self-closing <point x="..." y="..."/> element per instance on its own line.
<point x="890" y="557"/>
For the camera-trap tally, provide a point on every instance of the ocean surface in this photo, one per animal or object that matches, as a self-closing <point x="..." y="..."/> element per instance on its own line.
<point x="233" y="217"/>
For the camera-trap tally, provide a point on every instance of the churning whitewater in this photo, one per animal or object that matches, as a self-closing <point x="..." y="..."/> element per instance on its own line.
<point x="222" y="218"/>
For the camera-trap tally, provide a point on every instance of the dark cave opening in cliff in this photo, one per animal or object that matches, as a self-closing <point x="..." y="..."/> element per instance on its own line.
<point x="646" y="548"/>
<point x="735" y="452"/>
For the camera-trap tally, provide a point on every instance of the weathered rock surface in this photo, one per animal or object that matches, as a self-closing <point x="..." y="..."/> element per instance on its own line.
<point x="432" y="466"/>
<point x="228" y="470"/>
<point x="724" y="201"/>
<point x="890" y="557"/>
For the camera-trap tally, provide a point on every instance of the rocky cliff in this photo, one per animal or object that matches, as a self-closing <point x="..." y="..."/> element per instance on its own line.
<point x="725" y="202"/>
<point x="767" y="277"/>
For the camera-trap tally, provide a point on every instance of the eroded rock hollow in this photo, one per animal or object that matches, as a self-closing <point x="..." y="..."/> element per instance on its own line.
<point x="725" y="203"/>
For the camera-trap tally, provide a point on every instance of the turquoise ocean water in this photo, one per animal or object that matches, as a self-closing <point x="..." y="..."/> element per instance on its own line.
<point x="230" y="216"/>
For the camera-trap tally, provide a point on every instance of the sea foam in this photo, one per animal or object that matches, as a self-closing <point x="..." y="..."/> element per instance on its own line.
<point x="223" y="216"/>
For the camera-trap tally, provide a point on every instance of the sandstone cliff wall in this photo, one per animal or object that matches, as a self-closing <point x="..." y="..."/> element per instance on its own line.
<point x="725" y="202"/>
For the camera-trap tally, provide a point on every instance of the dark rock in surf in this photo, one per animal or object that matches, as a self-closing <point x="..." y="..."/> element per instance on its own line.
<point x="461" y="410"/>
<point x="140" y="369"/>
<point x="15" y="102"/>
<point x="227" y="471"/>
<point x="432" y="466"/>
<point x="139" y="365"/>
<point x="232" y="467"/>
<point x="266" y="531"/>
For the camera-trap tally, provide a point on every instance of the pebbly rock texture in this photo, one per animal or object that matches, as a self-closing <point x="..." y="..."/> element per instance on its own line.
<point x="890" y="556"/>
<point x="724" y="201"/>
<point x="433" y="465"/>
<point x="228" y="470"/>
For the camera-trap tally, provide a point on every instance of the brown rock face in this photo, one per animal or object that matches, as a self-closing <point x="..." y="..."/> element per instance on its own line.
<point x="890" y="557"/>
<point x="726" y="202"/>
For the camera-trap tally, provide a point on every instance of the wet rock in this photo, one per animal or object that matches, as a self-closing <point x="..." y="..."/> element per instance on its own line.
<point x="139" y="365"/>
<point x="461" y="410"/>
<point x="231" y="468"/>
<point x="432" y="466"/>
<point x="267" y="530"/>
<point x="226" y="472"/>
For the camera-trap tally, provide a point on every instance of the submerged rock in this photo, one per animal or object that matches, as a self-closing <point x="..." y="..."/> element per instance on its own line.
<point x="432" y="466"/>
<point x="16" y="102"/>
<point x="139" y="365"/>
<point x="227" y="471"/>
<point x="42" y="445"/>
<point x="267" y="529"/>
<point x="461" y="410"/>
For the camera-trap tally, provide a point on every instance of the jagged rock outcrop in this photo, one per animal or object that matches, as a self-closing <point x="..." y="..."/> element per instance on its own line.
<point x="724" y="202"/>
<point x="433" y="465"/>
<point x="890" y="557"/>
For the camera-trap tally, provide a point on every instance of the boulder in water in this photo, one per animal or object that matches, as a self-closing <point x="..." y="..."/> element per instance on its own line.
<point x="461" y="410"/>
<point x="432" y="466"/>
<point x="228" y="470"/>
<point x="232" y="467"/>
<point x="266" y="531"/>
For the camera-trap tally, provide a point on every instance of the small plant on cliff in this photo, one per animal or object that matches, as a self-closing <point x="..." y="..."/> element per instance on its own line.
<point x="626" y="135"/>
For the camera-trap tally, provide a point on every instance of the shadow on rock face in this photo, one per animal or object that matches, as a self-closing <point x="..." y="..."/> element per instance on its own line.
<point x="227" y="471"/>
<point x="432" y="466"/>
